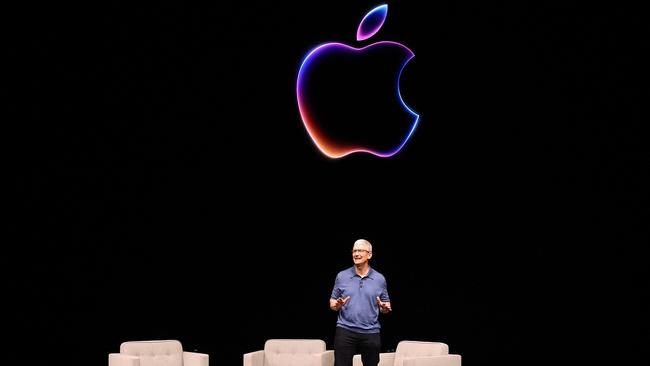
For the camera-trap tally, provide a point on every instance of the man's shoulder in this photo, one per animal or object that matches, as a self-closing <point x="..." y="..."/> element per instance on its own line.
<point x="378" y="275"/>
<point x="346" y="272"/>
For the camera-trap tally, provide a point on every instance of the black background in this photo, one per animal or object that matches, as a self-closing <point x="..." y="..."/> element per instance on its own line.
<point x="167" y="188"/>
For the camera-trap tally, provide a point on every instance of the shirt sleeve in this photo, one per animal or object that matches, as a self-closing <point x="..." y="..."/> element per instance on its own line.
<point x="336" y="291"/>
<point x="384" y="292"/>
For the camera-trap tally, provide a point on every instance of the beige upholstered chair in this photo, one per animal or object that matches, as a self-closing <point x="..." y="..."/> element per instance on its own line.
<point x="291" y="352"/>
<point x="416" y="353"/>
<point x="155" y="353"/>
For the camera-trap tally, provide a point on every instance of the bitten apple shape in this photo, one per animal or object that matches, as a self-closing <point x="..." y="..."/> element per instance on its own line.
<point x="335" y="79"/>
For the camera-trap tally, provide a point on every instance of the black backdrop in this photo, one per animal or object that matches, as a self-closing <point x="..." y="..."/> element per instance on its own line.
<point x="168" y="188"/>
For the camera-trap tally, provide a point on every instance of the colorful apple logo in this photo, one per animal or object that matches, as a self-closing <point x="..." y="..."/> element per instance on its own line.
<point x="349" y="98"/>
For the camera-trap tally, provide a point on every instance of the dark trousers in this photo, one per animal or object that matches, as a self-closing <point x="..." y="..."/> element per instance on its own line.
<point x="347" y="344"/>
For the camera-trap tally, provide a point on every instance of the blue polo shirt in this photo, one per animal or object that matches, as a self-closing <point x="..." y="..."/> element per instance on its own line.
<point x="361" y="313"/>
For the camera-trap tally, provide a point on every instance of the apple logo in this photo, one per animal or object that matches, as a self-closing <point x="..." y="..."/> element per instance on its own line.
<point x="349" y="98"/>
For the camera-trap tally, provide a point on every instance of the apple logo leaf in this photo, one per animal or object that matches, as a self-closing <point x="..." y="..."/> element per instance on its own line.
<point x="372" y="22"/>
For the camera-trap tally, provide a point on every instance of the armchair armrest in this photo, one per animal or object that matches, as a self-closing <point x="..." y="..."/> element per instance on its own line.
<point x="195" y="359"/>
<point x="254" y="358"/>
<point x="326" y="358"/>
<point x="356" y="360"/>
<point x="444" y="360"/>
<point x="118" y="359"/>
<point x="385" y="359"/>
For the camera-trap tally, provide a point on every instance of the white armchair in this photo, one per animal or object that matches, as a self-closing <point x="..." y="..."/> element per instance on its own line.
<point x="291" y="352"/>
<point x="156" y="353"/>
<point x="416" y="353"/>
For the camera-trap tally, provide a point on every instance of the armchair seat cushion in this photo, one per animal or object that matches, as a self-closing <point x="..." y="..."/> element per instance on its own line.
<point x="156" y="353"/>
<point x="411" y="349"/>
<point x="293" y="352"/>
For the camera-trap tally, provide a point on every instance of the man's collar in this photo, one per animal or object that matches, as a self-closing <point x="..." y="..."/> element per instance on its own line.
<point x="370" y="274"/>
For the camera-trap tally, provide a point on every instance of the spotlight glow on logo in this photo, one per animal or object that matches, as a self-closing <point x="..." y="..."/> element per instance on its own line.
<point x="322" y="79"/>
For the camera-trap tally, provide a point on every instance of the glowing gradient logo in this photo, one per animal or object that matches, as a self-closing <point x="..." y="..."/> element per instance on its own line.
<point x="349" y="98"/>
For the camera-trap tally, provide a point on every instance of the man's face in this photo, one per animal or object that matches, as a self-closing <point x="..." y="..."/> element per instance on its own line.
<point x="360" y="253"/>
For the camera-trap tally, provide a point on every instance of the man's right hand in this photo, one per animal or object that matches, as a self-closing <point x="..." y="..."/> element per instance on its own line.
<point x="337" y="304"/>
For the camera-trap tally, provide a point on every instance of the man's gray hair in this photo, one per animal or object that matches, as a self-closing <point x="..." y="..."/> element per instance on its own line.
<point x="365" y="243"/>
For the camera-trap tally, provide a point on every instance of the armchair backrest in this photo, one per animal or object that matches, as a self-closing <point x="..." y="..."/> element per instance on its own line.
<point x="155" y="353"/>
<point x="293" y="352"/>
<point x="418" y="349"/>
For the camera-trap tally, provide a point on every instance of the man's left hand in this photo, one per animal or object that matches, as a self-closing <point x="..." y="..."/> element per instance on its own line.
<point x="384" y="307"/>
